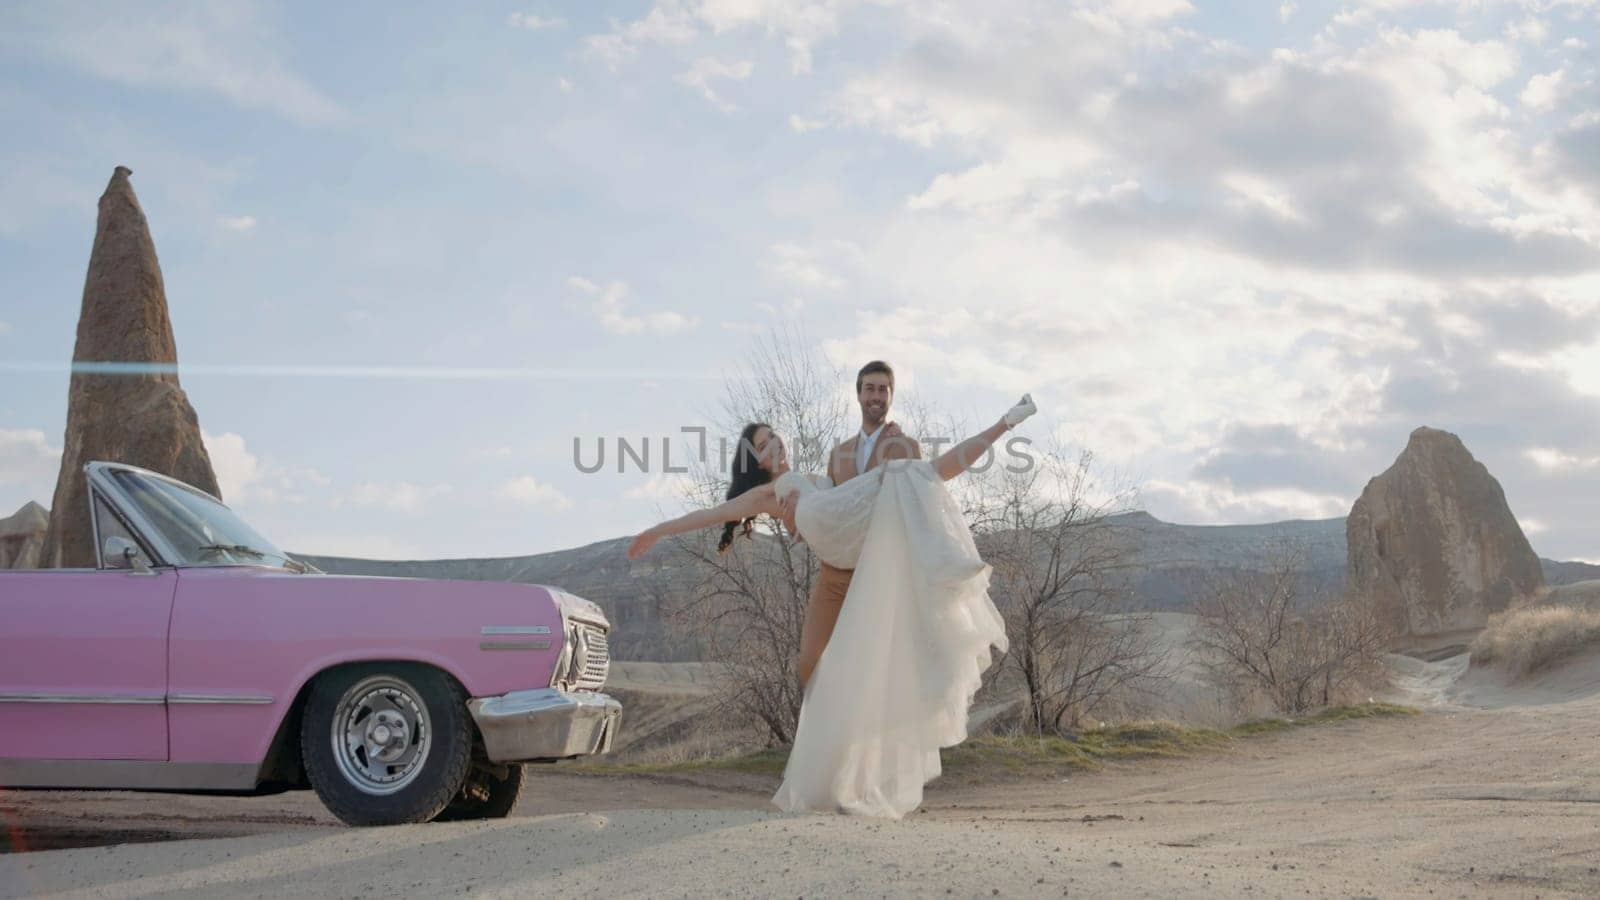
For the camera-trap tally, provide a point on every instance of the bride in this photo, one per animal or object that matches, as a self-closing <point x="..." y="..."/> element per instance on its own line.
<point x="913" y="637"/>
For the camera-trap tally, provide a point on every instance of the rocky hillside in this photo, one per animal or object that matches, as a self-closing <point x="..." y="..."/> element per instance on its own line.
<point x="22" y="536"/>
<point x="1568" y="572"/>
<point x="1172" y="561"/>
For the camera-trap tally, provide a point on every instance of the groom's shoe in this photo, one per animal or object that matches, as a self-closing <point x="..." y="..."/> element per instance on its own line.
<point x="1022" y="410"/>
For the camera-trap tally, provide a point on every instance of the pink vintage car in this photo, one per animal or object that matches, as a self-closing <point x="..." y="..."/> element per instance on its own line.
<point x="198" y="657"/>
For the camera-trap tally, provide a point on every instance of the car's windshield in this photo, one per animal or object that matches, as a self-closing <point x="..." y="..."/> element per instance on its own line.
<point x="202" y="531"/>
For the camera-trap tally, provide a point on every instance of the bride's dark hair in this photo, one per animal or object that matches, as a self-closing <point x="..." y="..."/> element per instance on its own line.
<point x="747" y="473"/>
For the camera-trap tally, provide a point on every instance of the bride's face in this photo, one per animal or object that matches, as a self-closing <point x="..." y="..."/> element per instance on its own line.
<point x="770" y="454"/>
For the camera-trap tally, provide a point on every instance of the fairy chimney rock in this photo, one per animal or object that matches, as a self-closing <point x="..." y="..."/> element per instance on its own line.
<point x="131" y="415"/>
<point x="1434" y="542"/>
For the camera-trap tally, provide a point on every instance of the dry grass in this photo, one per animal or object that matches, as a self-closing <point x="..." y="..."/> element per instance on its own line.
<point x="1024" y="754"/>
<point x="1527" y="640"/>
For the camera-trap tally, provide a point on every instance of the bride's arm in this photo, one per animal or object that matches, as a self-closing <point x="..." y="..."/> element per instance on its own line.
<point x="753" y="502"/>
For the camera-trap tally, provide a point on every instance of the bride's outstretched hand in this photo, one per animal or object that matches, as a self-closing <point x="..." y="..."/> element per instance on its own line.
<point x="642" y="543"/>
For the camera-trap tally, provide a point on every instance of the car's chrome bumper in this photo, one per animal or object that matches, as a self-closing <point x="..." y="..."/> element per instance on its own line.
<point x="545" y="723"/>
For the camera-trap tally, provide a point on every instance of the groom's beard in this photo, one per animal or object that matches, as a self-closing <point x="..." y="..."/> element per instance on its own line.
<point x="873" y="417"/>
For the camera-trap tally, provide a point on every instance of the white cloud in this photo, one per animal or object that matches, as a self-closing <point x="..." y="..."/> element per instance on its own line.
<point x="236" y="468"/>
<point x="530" y="491"/>
<point x="1532" y="30"/>
<point x="1543" y="91"/>
<point x="28" y="460"/>
<point x="608" y="305"/>
<point x="5" y="328"/>
<point x="226" y="49"/>
<point x="533" y="21"/>
<point x="1139" y="12"/>
<point x="801" y="125"/>
<point x="1552" y="460"/>
<point x="812" y="267"/>
<point x="246" y="479"/>
<point x="398" y="496"/>
<point x="1203" y="504"/>
<point x="799" y="24"/>
<point x="237" y="223"/>
<point x="564" y="85"/>
<point x="706" y="69"/>
<point x="663" y="489"/>
<point x="668" y="22"/>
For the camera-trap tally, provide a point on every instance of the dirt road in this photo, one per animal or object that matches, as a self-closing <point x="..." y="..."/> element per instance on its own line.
<point x="1453" y="802"/>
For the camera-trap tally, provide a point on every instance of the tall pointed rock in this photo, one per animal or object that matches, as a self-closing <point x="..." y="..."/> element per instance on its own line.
<point x="1433" y="541"/>
<point x="138" y="417"/>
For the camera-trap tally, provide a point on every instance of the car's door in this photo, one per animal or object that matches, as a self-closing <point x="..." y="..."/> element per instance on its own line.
<point x="83" y="660"/>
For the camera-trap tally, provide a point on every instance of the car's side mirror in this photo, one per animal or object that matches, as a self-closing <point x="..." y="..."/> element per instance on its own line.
<point x="121" y="553"/>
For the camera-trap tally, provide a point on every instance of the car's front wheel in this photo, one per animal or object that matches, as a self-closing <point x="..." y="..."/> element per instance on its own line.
<point x="386" y="744"/>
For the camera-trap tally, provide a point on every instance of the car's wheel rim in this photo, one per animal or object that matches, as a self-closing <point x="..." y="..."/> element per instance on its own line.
<point x="381" y="735"/>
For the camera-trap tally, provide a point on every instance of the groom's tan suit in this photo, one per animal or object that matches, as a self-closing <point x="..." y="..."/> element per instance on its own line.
<point x="827" y="593"/>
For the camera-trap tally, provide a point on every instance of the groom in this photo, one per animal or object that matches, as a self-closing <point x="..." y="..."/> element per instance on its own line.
<point x="878" y="440"/>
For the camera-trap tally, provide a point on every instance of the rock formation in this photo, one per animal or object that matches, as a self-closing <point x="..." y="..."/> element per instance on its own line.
<point x="1433" y="541"/>
<point x="136" y="417"/>
<point x="22" y="536"/>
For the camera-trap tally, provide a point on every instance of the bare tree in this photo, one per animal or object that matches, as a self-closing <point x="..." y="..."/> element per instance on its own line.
<point x="747" y="605"/>
<point x="1266" y="631"/>
<point x="1059" y="578"/>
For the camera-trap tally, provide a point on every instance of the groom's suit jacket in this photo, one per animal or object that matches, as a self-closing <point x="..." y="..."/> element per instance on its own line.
<point x="842" y="462"/>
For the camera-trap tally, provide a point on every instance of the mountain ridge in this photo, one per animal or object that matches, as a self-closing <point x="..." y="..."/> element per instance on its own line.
<point x="1172" y="560"/>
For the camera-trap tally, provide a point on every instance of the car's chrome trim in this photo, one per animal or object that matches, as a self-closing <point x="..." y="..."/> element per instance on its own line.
<point x="123" y="699"/>
<point x="545" y="724"/>
<point x="541" y="644"/>
<point x="151" y="538"/>
<point x="108" y="699"/>
<point x="248" y="699"/>
<point x="515" y="629"/>
<point x="125" y="774"/>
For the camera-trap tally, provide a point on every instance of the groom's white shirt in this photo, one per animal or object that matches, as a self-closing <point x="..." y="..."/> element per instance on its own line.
<point x="864" y="444"/>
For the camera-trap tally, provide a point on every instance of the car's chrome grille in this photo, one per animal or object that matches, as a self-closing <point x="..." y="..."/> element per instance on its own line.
<point x="598" y="663"/>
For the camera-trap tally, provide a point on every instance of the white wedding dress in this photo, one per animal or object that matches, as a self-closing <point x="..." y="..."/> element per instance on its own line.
<point x="908" y="652"/>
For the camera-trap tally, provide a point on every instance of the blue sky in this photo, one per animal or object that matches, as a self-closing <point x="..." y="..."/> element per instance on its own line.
<point x="1238" y="250"/>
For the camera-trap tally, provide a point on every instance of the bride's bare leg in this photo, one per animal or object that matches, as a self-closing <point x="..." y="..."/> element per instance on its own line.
<point x="962" y="456"/>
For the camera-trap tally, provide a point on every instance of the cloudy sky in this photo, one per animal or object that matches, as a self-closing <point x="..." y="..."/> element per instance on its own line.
<point x="1239" y="250"/>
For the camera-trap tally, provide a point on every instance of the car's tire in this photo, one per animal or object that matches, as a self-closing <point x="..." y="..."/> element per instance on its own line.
<point x="386" y="743"/>
<point x="486" y="795"/>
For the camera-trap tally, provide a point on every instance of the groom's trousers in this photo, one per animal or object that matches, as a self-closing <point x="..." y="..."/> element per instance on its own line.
<point x="822" y="611"/>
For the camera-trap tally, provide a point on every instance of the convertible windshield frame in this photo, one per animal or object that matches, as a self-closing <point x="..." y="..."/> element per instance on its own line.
<point x="178" y="520"/>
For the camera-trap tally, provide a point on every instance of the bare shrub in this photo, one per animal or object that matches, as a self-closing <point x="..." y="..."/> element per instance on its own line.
<point x="1057" y="578"/>
<point x="746" y="606"/>
<point x="1264" y="631"/>
<point x="1533" y="638"/>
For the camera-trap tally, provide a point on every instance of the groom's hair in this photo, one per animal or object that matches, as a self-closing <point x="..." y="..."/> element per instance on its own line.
<point x="876" y="365"/>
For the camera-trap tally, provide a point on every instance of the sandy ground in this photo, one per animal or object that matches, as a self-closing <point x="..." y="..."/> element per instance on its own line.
<point x="1459" y="801"/>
